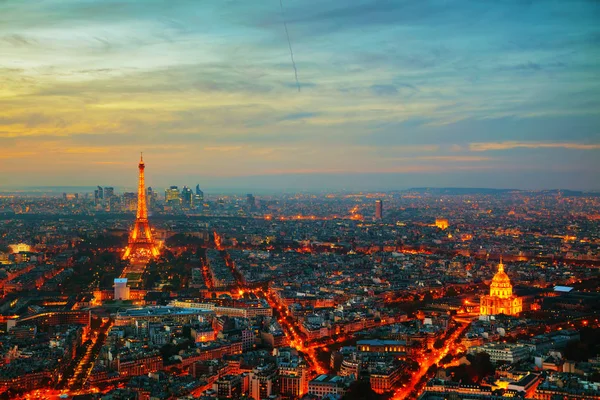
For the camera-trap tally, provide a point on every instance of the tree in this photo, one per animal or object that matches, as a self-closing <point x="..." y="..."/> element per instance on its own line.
<point x="460" y="374"/>
<point x="176" y="282"/>
<point x="588" y="347"/>
<point x="187" y="332"/>
<point x="447" y="359"/>
<point x="167" y="351"/>
<point x="361" y="390"/>
<point x="480" y="367"/>
<point x="413" y="365"/>
<point x="167" y="288"/>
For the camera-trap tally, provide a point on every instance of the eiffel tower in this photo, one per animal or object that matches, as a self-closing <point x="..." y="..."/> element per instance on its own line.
<point x="141" y="244"/>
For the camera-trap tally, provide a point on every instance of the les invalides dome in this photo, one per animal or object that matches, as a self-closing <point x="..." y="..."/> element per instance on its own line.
<point x="501" y="299"/>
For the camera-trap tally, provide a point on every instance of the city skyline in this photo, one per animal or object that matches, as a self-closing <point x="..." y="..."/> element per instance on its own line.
<point x="393" y="94"/>
<point x="299" y="199"/>
<point x="295" y="294"/>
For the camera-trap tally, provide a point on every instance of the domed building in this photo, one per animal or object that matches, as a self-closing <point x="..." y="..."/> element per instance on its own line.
<point x="501" y="299"/>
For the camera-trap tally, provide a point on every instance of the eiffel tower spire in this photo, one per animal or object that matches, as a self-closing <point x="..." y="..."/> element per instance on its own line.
<point x="141" y="243"/>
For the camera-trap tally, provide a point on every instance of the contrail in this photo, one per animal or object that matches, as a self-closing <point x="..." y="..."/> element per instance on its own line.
<point x="287" y="34"/>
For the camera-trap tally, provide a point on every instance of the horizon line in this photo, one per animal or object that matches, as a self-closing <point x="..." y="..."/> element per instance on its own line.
<point x="8" y="188"/>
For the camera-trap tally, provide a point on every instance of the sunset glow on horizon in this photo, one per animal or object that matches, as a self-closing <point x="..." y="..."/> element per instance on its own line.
<point x="461" y="94"/>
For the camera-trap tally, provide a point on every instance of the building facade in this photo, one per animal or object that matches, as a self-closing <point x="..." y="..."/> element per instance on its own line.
<point x="506" y="352"/>
<point x="501" y="299"/>
<point x="263" y="382"/>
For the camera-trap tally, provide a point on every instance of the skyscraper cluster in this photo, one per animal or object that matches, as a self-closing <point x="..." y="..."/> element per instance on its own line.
<point x="186" y="199"/>
<point x="104" y="196"/>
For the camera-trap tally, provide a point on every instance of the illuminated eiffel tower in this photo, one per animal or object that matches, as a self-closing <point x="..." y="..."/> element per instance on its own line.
<point x="141" y="244"/>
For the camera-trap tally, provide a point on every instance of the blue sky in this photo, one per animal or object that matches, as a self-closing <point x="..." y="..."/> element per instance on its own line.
<point x="393" y="93"/>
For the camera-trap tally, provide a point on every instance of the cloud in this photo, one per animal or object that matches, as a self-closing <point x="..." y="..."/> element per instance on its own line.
<point x="19" y="40"/>
<point x="405" y="169"/>
<point x="223" y="149"/>
<point x="293" y="85"/>
<point x="528" y="66"/>
<point x="86" y="150"/>
<point x="387" y="82"/>
<point x="415" y="148"/>
<point x="111" y="163"/>
<point x="531" y="145"/>
<point x="300" y="115"/>
<point x="384" y="90"/>
<point x="16" y="154"/>
<point x="533" y="67"/>
<point x="454" y="158"/>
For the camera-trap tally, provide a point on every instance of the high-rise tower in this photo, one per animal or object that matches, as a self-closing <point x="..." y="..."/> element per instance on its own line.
<point x="141" y="244"/>
<point x="187" y="198"/>
<point x="199" y="192"/>
<point x="378" y="209"/>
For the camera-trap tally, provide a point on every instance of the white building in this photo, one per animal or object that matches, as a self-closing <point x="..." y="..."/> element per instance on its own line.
<point x="121" y="289"/>
<point x="511" y="353"/>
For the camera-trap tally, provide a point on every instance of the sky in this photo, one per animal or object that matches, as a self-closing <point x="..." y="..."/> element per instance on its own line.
<point x="393" y="94"/>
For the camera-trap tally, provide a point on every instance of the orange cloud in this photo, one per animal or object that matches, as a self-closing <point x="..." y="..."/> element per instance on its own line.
<point x="86" y="150"/>
<point x="224" y="149"/>
<point x="390" y="170"/>
<point x="16" y="154"/>
<point x="111" y="163"/>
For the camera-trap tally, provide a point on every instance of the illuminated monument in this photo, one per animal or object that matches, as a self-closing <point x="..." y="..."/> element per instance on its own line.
<point x="501" y="299"/>
<point x="141" y="244"/>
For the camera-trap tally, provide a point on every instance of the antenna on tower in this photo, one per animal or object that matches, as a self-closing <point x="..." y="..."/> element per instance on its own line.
<point x="141" y="156"/>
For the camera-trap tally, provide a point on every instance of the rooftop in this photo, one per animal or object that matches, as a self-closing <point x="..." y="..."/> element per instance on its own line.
<point x="160" y="310"/>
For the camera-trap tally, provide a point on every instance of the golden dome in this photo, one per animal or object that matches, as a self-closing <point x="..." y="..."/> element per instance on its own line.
<point x="501" y="286"/>
<point x="501" y="299"/>
<point x="501" y="276"/>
